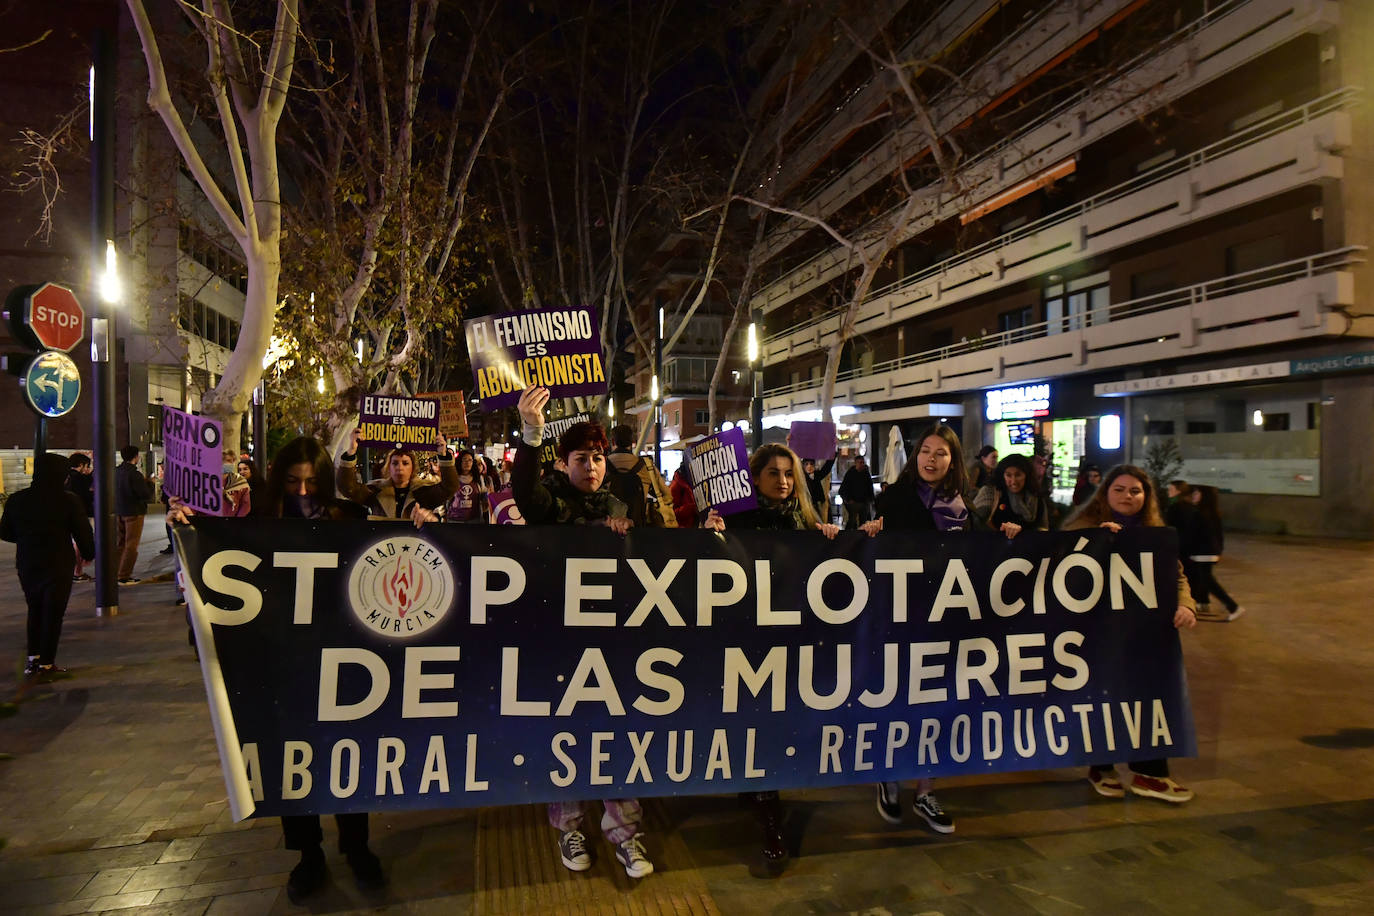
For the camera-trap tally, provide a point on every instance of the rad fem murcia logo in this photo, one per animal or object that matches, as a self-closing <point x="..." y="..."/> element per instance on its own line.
<point x="401" y="587"/>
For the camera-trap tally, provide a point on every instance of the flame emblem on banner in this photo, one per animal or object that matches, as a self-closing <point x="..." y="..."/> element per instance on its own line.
<point x="403" y="587"/>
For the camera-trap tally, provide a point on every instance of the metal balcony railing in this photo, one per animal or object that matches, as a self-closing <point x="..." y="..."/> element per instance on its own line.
<point x="1254" y="133"/>
<point x="1210" y="15"/>
<point x="1325" y="262"/>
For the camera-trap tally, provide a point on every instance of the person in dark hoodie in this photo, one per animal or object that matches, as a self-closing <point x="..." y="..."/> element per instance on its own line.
<point x="79" y="481"/>
<point x="44" y="520"/>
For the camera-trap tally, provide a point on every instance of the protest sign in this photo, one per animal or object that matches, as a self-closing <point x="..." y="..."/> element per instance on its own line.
<point x="548" y="448"/>
<point x="194" y="460"/>
<point x="557" y="348"/>
<point x="396" y="422"/>
<point x="453" y="412"/>
<point x="813" y="440"/>
<point x="504" y="511"/>
<point x="718" y="467"/>
<point x="365" y="667"/>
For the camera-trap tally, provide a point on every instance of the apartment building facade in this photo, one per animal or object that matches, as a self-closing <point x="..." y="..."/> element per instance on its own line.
<point x="1162" y="243"/>
<point x="182" y="278"/>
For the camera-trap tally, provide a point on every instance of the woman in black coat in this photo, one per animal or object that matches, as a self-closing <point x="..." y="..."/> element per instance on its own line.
<point x="44" y="520"/>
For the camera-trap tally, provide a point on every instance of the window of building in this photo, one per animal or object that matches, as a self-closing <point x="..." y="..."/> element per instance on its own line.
<point x="1255" y="254"/>
<point x="1159" y="427"/>
<point x="1201" y="427"/>
<point x="1275" y="422"/>
<point x="1152" y="282"/>
<point x="702" y="417"/>
<point x="1014" y="319"/>
<point x="941" y="337"/>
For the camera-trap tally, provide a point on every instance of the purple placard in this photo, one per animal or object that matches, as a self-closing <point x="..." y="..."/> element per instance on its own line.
<point x="397" y="422"/>
<point x="194" y="469"/>
<point x="718" y="467"/>
<point x="504" y="511"/>
<point x="813" y="439"/>
<point x="557" y="348"/>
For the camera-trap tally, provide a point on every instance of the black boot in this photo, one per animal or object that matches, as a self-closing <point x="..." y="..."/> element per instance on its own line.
<point x="367" y="869"/>
<point x="308" y="876"/>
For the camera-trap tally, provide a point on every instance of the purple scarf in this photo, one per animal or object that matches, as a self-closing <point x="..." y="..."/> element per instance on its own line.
<point x="949" y="513"/>
<point x="1127" y="521"/>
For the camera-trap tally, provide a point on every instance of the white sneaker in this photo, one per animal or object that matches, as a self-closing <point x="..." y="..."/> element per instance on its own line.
<point x="631" y="855"/>
<point x="572" y="848"/>
<point x="1232" y="615"/>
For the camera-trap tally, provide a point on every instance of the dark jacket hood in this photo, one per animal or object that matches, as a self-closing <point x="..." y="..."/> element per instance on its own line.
<point x="50" y="472"/>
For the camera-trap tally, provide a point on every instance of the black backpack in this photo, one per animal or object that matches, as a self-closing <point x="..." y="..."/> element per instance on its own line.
<point x="629" y="489"/>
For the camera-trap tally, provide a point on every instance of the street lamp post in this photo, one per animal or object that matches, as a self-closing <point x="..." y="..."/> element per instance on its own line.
<point x="102" y="99"/>
<point x="755" y="378"/>
<point x="657" y="393"/>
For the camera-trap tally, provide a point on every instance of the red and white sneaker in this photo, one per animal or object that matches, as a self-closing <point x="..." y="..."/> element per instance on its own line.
<point x="1106" y="783"/>
<point x="1161" y="787"/>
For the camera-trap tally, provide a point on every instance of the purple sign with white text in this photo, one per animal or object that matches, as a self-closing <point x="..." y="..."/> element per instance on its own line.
<point x="718" y="467"/>
<point x="559" y="349"/>
<point x="813" y="440"/>
<point x="194" y="468"/>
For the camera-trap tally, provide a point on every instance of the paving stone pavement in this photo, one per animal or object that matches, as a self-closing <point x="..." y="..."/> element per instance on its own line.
<point x="113" y="800"/>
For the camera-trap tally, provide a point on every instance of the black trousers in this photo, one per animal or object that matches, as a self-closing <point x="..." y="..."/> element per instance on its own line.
<point x="1156" y="768"/>
<point x="1203" y="584"/>
<point x="47" y="593"/>
<point x="302" y="831"/>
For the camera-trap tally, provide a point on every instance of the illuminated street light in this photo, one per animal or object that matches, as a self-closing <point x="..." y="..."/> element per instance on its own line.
<point x="110" y="288"/>
<point x="653" y="390"/>
<point x="753" y="343"/>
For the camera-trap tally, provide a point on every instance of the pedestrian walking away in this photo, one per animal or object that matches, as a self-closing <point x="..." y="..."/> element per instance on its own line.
<point x="80" y="480"/>
<point x="637" y="483"/>
<point x="576" y="497"/>
<point x="133" y="492"/>
<point x="928" y="496"/>
<point x="856" y="490"/>
<point x="1127" y="499"/>
<point x="44" y="521"/>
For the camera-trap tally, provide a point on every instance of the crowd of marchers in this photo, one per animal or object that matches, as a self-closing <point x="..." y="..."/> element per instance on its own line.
<point x="599" y="480"/>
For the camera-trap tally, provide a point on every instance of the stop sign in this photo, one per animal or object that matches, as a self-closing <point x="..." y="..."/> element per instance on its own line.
<point x="55" y="317"/>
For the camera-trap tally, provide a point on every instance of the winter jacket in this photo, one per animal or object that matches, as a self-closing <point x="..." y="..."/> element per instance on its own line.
<point x="379" y="496"/>
<point x="83" y="485"/>
<point x="44" y="519"/>
<point x="684" y="502"/>
<point x="818" y="485"/>
<point x="857" y="486"/>
<point x="658" y="508"/>
<point x="132" y="490"/>
<point x="554" y="500"/>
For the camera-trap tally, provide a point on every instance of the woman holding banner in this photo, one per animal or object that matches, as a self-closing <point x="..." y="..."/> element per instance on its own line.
<point x="301" y="486"/>
<point x="1008" y="503"/>
<point x="928" y="496"/>
<point x="576" y="498"/>
<point x="1127" y="499"/>
<point x="784" y="504"/>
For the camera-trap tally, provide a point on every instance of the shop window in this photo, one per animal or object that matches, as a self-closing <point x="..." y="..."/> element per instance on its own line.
<point x="1201" y="427"/>
<point x="1275" y="422"/>
<point x="1152" y="282"/>
<point x="1253" y="255"/>
<point x="1159" y="427"/>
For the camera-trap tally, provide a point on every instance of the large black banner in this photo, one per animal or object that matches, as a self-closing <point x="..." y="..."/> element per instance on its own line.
<point x="366" y="666"/>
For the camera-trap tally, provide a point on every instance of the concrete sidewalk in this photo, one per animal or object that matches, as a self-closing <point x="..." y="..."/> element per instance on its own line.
<point x="114" y="798"/>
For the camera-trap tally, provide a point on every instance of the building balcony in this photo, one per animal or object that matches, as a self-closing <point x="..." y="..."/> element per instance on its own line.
<point x="1292" y="301"/>
<point x="1288" y="150"/>
<point x="1225" y="37"/>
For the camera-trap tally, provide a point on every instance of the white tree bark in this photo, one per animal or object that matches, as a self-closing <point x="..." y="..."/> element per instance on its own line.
<point x="254" y="219"/>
